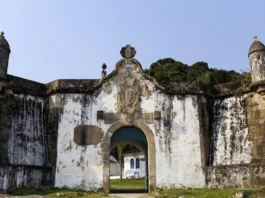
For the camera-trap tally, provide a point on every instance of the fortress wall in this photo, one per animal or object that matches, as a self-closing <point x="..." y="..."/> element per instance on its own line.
<point x="22" y="141"/>
<point x="80" y="166"/>
<point x="176" y="133"/>
<point x="24" y="176"/>
<point x="230" y="141"/>
<point x="236" y="176"/>
<point x="26" y="141"/>
<point x="177" y="141"/>
<point x="256" y="124"/>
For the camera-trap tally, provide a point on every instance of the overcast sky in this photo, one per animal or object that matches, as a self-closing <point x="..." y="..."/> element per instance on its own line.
<point x="62" y="39"/>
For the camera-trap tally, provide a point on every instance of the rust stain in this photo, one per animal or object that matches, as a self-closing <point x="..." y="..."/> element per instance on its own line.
<point x="81" y="159"/>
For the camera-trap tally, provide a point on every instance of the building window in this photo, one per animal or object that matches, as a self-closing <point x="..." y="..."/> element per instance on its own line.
<point x="132" y="163"/>
<point x="137" y="163"/>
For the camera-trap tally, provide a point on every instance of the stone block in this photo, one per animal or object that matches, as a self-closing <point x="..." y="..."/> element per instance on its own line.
<point x="157" y="115"/>
<point x="110" y="118"/>
<point x="257" y="132"/>
<point x="87" y="135"/>
<point x="258" y="150"/>
<point x="100" y="115"/>
<point x="147" y="118"/>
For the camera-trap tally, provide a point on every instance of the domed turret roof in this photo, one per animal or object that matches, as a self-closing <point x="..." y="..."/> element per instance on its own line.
<point x="256" y="46"/>
<point x="3" y="42"/>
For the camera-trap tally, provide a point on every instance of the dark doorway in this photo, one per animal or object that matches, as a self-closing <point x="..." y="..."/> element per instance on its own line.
<point x="128" y="149"/>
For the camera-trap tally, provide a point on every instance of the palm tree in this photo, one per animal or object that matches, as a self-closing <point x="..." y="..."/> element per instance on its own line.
<point x="120" y="149"/>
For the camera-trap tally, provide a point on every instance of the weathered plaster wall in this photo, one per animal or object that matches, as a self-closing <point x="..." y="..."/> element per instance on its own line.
<point x="230" y="133"/>
<point x="256" y="124"/>
<point x="26" y="139"/>
<point x="5" y="103"/>
<point x="85" y="161"/>
<point x="23" y="142"/>
<point x="22" y="130"/>
<point x="24" y="176"/>
<point x="177" y="139"/>
<point x="205" y="105"/>
<point x="238" y="176"/>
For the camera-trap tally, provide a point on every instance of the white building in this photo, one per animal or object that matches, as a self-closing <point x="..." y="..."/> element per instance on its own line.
<point x="134" y="165"/>
<point x="114" y="168"/>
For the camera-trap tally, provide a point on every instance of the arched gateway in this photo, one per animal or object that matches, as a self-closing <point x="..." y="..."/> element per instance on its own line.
<point x="150" y="147"/>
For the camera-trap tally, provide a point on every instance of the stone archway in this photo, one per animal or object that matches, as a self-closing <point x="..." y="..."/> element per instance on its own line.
<point x="151" y="152"/>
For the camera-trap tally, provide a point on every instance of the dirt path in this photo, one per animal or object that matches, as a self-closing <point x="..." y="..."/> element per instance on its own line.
<point x="141" y="195"/>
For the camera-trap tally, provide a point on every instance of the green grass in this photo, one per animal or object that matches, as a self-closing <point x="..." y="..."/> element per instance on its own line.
<point x="52" y="192"/>
<point x="140" y="184"/>
<point x="128" y="184"/>
<point x="213" y="193"/>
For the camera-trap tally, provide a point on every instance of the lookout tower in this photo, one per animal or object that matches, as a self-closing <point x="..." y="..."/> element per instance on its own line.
<point x="256" y="57"/>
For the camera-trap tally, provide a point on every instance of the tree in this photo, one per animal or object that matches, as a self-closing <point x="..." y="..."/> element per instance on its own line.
<point x="168" y="69"/>
<point x="246" y="78"/>
<point x="120" y="149"/>
<point x="165" y="70"/>
<point x="197" y="70"/>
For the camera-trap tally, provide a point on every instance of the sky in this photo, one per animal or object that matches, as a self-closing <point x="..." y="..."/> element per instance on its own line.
<point x="71" y="39"/>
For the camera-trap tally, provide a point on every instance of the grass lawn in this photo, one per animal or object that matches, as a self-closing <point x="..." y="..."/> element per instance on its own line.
<point x="214" y="193"/>
<point x="127" y="184"/>
<point x="140" y="184"/>
<point x="52" y="192"/>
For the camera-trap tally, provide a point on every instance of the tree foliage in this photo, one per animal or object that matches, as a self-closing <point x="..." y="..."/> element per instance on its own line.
<point x="165" y="70"/>
<point x="120" y="150"/>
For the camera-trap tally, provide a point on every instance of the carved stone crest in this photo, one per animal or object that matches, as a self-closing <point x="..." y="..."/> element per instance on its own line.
<point x="128" y="96"/>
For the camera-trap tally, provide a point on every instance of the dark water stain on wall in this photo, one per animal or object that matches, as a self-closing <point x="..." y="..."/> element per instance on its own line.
<point x="167" y="108"/>
<point x="238" y="176"/>
<point x="230" y="135"/>
<point x="24" y="176"/>
<point x="26" y="132"/>
<point x="5" y="103"/>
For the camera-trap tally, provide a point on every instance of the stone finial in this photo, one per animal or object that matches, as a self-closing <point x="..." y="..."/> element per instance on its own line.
<point x="2" y="33"/>
<point x="128" y="52"/>
<point x="255" y="38"/>
<point x="104" y="73"/>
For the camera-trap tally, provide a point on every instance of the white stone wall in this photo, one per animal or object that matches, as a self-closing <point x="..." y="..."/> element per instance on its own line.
<point x="177" y="139"/>
<point x="178" y="151"/>
<point x="78" y="166"/>
<point x="231" y="144"/>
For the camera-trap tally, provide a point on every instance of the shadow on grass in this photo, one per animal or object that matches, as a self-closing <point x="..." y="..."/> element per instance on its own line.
<point x="214" y="193"/>
<point x="52" y="192"/>
<point x="127" y="184"/>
